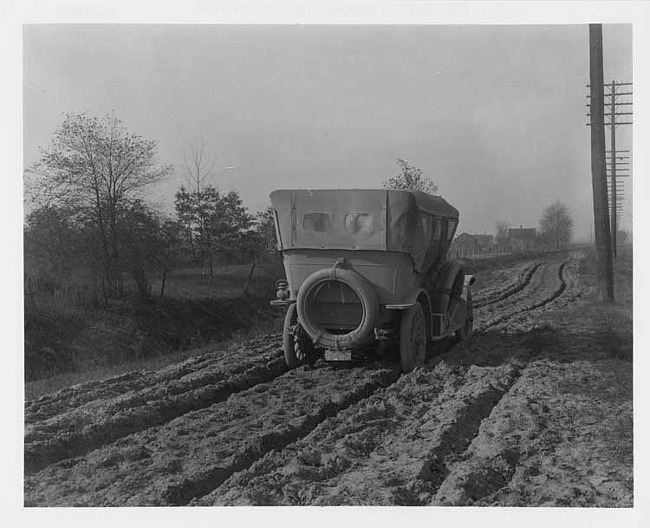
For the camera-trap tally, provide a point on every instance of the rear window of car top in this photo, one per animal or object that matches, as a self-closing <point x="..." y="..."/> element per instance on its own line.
<point x="451" y="226"/>
<point x="437" y="229"/>
<point x="358" y="223"/>
<point x="318" y="222"/>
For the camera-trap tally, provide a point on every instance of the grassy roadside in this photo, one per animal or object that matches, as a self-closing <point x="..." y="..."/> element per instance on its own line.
<point x="70" y="338"/>
<point x="38" y="388"/>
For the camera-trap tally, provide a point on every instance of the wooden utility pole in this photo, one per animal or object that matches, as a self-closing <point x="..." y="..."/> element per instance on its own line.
<point x="604" y="272"/>
<point x="613" y="112"/>
<point x="618" y="168"/>
<point x="612" y="146"/>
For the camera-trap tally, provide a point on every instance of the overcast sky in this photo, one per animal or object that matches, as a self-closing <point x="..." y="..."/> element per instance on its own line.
<point x="494" y="115"/>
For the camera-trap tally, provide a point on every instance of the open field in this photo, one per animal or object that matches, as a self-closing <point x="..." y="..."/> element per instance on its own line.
<point x="535" y="410"/>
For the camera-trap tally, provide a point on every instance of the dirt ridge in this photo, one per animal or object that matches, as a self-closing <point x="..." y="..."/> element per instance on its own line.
<point x="550" y="293"/>
<point x="158" y="467"/>
<point x="510" y="289"/>
<point x="62" y="401"/>
<point x="448" y="416"/>
<point x="39" y="453"/>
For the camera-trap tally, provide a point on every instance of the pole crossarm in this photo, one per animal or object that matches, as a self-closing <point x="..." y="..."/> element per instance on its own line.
<point x="609" y="84"/>
<point x="614" y="94"/>
<point x="607" y="114"/>
<point x="615" y="123"/>
<point x="618" y="103"/>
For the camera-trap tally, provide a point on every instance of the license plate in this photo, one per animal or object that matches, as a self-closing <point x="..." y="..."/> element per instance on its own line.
<point x="338" y="355"/>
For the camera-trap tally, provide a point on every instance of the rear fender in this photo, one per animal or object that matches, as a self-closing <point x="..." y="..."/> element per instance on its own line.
<point x="460" y="312"/>
<point x="417" y="295"/>
<point x="444" y="284"/>
<point x="469" y="280"/>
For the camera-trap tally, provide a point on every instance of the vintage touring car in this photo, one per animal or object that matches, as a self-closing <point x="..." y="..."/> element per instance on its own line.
<point x="365" y="269"/>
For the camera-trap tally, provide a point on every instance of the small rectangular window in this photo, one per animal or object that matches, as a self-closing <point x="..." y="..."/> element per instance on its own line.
<point x="358" y="223"/>
<point x="437" y="230"/>
<point x="318" y="222"/>
<point x="451" y="228"/>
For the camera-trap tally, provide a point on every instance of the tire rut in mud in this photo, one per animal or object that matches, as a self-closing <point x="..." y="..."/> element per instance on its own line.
<point x="191" y="455"/>
<point x="101" y="421"/>
<point x="543" y="443"/>
<point x="385" y="450"/>
<point x="174" y="454"/>
<point x="536" y="294"/>
<point x="71" y="398"/>
<point x="78" y="419"/>
<point x="494" y="295"/>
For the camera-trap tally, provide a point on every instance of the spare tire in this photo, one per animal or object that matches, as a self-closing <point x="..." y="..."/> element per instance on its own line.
<point x="363" y="289"/>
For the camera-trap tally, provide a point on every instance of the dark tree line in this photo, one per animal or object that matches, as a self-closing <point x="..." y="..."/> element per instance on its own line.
<point x="87" y="194"/>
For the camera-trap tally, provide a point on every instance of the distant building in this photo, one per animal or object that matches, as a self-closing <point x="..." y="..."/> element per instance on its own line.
<point x="522" y="238"/>
<point x="468" y="244"/>
<point x="465" y="243"/>
<point x="501" y="242"/>
<point x="485" y="242"/>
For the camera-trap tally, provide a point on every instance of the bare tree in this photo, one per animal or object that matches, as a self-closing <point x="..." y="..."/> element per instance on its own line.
<point x="501" y="229"/>
<point x="94" y="167"/>
<point x="266" y="229"/>
<point x="557" y="224"/>
<point x="410" y="178"/>
<point x="198" y="164"/>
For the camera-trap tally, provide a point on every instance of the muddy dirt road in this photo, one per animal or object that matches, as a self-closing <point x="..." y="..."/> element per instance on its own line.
<point x="534" y="410"/>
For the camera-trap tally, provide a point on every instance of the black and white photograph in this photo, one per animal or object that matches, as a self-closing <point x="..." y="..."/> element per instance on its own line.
<point x="343" y="262"/>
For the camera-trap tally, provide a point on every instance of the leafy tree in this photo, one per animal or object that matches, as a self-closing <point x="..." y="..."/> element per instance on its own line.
<point x="171" y="249"/>
<point x="556" y="224"/>
<point x="230" y="225"/>
<point x="266" y="229"/>
<point x="140" y="242"/>
<point x="215" y="222"/>
<point x="93" y="168"/>
<point x="410" y="178"/>
<point x="51" y="242"/>
<point x="260" y="243"/>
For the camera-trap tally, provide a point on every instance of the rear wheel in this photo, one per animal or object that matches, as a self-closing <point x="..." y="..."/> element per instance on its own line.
<point x="351" y="282"/>
<point x="298" y="350"/>
<point x="412" y="338"/>
<point x="465" y="332"/>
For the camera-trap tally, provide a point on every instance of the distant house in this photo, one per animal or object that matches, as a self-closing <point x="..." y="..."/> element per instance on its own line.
<point x="501" y="242"/>
<point x="522" y="238"/>
<point x="485" y="242"/>
<point x="465" y="243"/>
<point x="468" y="244"/>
